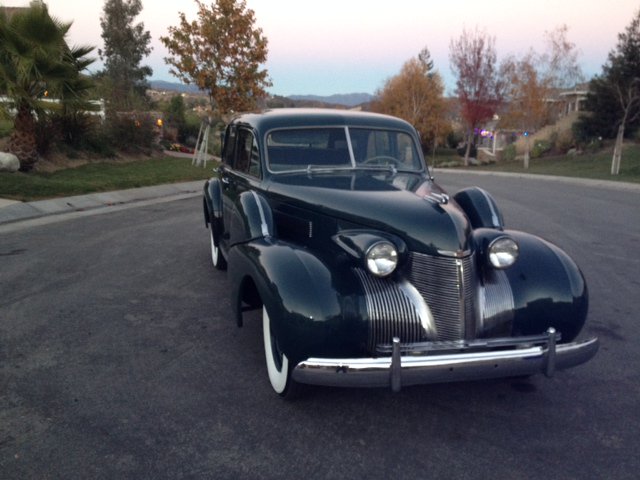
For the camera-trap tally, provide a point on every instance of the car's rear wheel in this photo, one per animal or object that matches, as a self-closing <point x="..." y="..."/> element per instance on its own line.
<point x="278" y="366"/>
<point x="217" y="258"/>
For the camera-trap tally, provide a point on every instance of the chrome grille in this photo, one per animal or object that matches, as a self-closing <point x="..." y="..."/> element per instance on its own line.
<point x="390" y="311"/>
<point x="447" y="285"/>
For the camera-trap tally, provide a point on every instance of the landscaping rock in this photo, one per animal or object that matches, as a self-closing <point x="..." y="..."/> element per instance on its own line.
<point x="9" y="162"/>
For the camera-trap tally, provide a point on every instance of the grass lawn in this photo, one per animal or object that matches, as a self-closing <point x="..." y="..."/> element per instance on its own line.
<point x="100" y="177"/>
<point x="587" y="165"/>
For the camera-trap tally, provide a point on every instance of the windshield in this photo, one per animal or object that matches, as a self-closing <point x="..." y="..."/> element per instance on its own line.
<point x="339" y="147"/>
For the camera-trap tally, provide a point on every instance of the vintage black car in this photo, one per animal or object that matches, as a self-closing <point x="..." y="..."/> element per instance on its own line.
<point x="368" y="273"/>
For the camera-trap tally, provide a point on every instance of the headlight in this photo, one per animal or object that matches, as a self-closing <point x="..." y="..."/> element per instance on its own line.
<point x="382" y="258"/>
<point x="503" y="252"/>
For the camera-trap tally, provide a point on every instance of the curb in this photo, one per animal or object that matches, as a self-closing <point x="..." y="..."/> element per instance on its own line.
<point x="17" y="211"/>
<point x="608" y="184"/>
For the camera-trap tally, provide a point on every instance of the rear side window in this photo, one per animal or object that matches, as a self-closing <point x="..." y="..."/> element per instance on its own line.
<point x="248" y="156"/>
<point x="229" y="145"/>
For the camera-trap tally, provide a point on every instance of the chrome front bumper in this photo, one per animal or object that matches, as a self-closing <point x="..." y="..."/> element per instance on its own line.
<point x="416" y="364"/>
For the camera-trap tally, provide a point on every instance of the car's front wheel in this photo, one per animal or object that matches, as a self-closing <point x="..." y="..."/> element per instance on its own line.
<point x="277" y="362"/>
<point x="217" y="258"/>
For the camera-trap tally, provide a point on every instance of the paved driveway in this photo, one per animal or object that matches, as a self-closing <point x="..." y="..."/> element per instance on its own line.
<point x="118" y="359"/>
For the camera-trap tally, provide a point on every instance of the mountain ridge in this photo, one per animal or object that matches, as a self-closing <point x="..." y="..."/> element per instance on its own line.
<point x="343" y="99"/>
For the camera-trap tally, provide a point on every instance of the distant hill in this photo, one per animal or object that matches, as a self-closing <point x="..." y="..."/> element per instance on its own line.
<point x="347" y="100"/>
<point x="173" y="86"/>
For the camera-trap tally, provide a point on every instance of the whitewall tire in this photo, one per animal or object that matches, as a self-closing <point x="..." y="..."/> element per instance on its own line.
<point x="217" y="259"/>
<point x="277" y="362"/>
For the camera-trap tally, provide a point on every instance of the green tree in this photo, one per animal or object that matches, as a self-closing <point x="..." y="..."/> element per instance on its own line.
<point x="175" y="115"/>
<point x="479" y="85"/>
<point x="73" y="118"/>
<point x="125" y="46"/>
<point x="36" y="63"/>
<point x="613" y="101"/>
<point x="416" y="95"/>
<point x="220" y="52"/>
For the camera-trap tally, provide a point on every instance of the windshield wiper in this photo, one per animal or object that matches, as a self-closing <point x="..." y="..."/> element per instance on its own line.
<point x="327" y="168"/>
<point x="391" y="168"/>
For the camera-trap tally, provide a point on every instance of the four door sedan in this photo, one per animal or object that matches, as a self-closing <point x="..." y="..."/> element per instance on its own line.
<point x="367" y="273"/>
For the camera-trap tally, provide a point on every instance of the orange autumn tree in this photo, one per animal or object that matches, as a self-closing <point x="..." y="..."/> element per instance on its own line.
<point x="534" y="79"/>
<point x="527" y="92"/>
<point x="416" y="95"/>
<point x="221" y="53"/>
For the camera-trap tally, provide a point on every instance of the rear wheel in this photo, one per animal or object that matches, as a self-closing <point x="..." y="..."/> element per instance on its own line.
<point x="217" y="258"/>
<point x="277" y="362"/>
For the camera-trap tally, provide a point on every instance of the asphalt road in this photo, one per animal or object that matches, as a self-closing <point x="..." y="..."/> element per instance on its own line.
<point x="118" y="360"/>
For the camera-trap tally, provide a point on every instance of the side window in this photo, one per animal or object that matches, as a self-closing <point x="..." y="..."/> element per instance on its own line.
<point x="229" y="145"/>
<point x="248" y="156"/>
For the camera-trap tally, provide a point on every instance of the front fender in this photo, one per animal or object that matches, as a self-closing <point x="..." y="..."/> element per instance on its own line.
<point x="480" y="208"/>
<point x="548" y="288"/>
<point x="314" y="307"/>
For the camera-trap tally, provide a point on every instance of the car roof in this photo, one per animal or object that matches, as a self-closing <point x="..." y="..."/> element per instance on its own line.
<point x="316" y="117"/>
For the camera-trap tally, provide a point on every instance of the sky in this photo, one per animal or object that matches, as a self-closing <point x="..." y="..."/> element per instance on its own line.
<point x="325" y="47"/>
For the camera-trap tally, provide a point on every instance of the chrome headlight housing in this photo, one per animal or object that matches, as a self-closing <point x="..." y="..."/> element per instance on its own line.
<point x="502" y="252"/>
<point x="381" y="259"/>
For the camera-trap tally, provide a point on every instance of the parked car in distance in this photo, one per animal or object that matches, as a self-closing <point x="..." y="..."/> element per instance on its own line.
<point x="369" y="274"/>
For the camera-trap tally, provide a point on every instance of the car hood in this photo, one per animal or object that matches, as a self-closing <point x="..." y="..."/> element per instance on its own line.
<point x="409" y="205"/>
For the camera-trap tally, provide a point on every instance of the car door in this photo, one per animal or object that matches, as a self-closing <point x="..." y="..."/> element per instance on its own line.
<point x="241" y="171"/>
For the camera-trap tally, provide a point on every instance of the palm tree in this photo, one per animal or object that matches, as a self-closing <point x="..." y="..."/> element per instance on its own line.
<point x="36" y="63"/>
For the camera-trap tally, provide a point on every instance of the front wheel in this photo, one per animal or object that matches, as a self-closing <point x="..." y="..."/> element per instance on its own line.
<point x="277" y="362"/>
<point x="217" y="258"/>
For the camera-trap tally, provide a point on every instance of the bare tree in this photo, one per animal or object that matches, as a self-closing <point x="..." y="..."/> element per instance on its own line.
<point x="478" y="86"/>
<point x="560" y="61"/>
